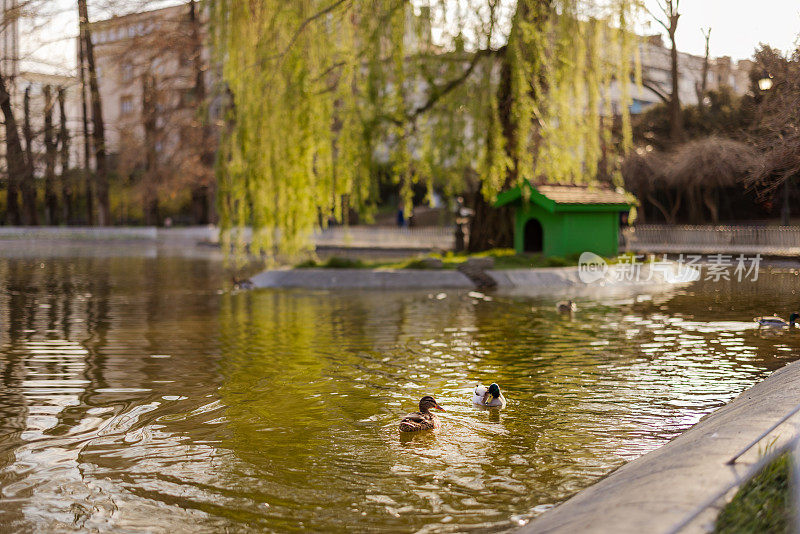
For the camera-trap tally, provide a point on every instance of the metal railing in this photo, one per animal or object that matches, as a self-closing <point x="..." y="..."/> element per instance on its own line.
<point x="792" y="446"/>
<point x="386" y="237"/>
<point x="438" y="237"/>
<point x="777" y="240"/>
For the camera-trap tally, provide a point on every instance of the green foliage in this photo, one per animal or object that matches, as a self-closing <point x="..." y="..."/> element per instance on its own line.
<point x="505" y="258"/>
<point x="334" y="262"/>
<point x="763" y="504"/>
<point x="322" y="92"/>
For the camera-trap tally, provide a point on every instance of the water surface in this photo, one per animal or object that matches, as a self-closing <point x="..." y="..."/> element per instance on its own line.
<point x="138" y="395"/>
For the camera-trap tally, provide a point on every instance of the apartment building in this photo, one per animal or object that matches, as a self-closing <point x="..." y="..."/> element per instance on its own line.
<point x="145" y="68"/>
<point x="656" y="64"/>
<point x="157" y="46"/>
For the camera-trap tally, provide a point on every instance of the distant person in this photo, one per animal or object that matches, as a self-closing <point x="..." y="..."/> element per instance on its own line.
<point x="401" y="218"/>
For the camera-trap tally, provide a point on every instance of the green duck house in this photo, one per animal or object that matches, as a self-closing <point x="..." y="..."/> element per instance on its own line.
<point x="560" y="220"/>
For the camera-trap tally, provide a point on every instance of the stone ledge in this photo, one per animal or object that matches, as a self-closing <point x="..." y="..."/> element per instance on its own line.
<point x="659" y="490"/>
<point x="362" y="279"/>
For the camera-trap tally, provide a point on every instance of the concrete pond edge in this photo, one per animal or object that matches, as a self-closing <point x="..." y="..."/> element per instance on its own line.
<point x="661" y="489"/>
<point x="546" y="278"/>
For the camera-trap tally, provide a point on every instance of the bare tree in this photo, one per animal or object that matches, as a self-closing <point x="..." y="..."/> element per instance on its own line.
<point x="28" y="186"/>
<point x="63" y="141"/>
<point x="668" y="19"/>
<point x="87" y="167"/>
<point x="50" y="198"/>
<point x="703" y="167"/>
<point x="98" y="130"/>
<point x="776" y="131"/>
<point x="643" y="172"/>
<point x="150" y="123"/>
<point x="703" y="84"/>
<point x="15" y="157"/>
<point x="202" y="194"/>
<point x="171" y="151"/>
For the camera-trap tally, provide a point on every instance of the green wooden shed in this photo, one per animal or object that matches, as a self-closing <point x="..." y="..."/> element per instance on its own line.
<point x="559" y="220"/>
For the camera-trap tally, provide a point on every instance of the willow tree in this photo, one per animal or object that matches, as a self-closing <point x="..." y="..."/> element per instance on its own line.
<point x="321" y="91"/>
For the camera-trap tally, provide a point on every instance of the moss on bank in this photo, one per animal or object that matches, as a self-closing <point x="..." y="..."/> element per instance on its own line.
<point x="503" y="259"/>
<point x="763" y="504"/>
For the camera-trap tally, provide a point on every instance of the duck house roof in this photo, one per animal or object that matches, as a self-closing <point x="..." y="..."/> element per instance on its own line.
<point x="556" y="197"/>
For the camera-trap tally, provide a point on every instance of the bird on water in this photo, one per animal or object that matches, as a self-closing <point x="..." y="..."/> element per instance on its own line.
<point x="423" y="419"/>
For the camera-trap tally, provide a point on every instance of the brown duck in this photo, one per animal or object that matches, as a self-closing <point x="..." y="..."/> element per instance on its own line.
<point x="423" y="419"/>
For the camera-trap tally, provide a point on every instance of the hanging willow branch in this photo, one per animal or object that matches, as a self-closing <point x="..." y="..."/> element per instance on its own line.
<point x="323" y="92"/>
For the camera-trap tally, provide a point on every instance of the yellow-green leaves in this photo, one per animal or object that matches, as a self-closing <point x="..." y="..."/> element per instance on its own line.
<point x="323" y="93"/>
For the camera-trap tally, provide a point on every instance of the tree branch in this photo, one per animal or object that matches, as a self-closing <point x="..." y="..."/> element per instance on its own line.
<point x="305" y="24"/>
<point x="647" y="84"/>
<point x="440" y="91"/>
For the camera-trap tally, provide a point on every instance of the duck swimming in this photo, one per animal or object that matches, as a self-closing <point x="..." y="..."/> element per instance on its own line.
<point x="566" y="307"/>
<point x="490" y="396"/>
<point x="777" y="322"/>
<point x="423" y="419"/>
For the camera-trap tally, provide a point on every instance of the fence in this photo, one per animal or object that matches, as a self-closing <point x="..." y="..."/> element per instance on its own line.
<point x="379" y="237"/>
<point x="792" y="447"/>
<point x="387" y="237"/>
<point x="770" y="240"/>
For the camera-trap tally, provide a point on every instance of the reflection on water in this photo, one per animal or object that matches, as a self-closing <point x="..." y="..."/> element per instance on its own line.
<point x="136" y="395"/>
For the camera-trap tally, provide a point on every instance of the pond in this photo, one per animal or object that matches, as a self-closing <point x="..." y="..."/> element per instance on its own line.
<point x="138" y="394"/>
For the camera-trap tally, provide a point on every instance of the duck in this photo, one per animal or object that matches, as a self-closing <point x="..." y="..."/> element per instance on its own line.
<point x="566" y="306"/>
<point x="242" y="283"/>
<point x="490" y="396"/>
<point x="423" y="419"/>
<point x="776" y="322"/>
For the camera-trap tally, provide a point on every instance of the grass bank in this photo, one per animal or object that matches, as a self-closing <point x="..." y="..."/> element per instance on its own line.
<point x="761" y="505"/>
<point x="503" y="259"/>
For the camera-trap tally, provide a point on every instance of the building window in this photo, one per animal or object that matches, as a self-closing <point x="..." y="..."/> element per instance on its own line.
<point x="126" y="105"/>
<point x="127" y="72"/>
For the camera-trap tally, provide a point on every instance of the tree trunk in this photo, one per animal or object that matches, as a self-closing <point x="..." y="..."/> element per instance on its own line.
<point x="50" y="198"/>
<point x="675" y="117"/>
<point x="712" y="203"/>
<point x="150" y="182"/>
<point x="701" y="89"/>
<point x="29" y="214"/>
<point x="202" y="201"/>
<point x="669" y="216"/>
<point x="695" y="205"/>
<point x="494" y="227"/>
<point x="98" y="130"/>
<point x="63" y="140"/>
<point x="489" y="227"/>
<point x="15" y="157"/>
<point x="87" y="167"/>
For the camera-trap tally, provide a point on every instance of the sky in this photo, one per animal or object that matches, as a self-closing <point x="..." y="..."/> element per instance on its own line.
<point x="737" y="26"/>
